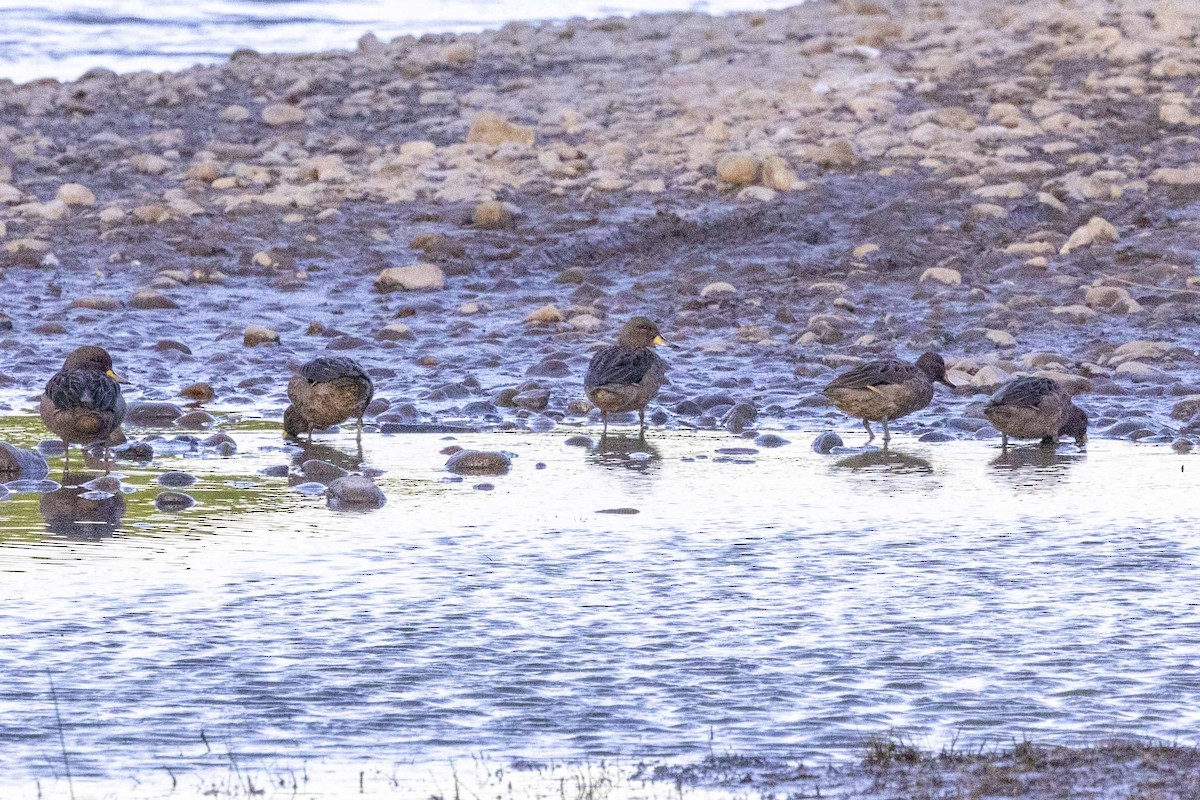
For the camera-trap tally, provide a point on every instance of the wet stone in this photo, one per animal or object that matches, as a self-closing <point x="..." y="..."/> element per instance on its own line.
<point x="196" y="420"/>
<point x="579" y="440"/>
<point x="276" y="471"/>
<point x="176" y="479"/>
<point x="479" y="462"/>
<point x="16" y="461"/>
<point x="542" y="424"/>
<point x="105" y="483"/>
<point x="771" y="440"/>
<point x="935" y="436"/>
<point x="355" y="491"/>
<point x="484" y="487"/>
<point x="826" y="442"/>
<point x="219" y="440"/>
<point x="174" y="501"/>
<point x="137" y="451"/>
<point x="198" y="392"/>
<point x="310" y="488"/>
<point x="533" y="400"/>
<point x="152" y="414"/>
<point x="621" y="511"/>
<point x="740" y="417"/>
<point x="322" y="471"/>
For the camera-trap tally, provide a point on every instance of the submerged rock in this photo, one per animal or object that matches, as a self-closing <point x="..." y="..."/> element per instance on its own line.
<point x="479" y="462"/>
<point x="322" y="471"/>
<point x="825" y="443"/>
<point x="355" y="491"/>
<point x="174" y="501"/>
<point x="176" y="479"/>
<point x="18" y="462"/>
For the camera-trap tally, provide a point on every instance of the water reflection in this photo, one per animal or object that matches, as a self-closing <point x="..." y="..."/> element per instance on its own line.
<point x="68" y="513"/>
<point x="626" y="452"/>
<point x="885" y="462"/>
<point x="1034" y="466"/>
<point x="351" y="462"/>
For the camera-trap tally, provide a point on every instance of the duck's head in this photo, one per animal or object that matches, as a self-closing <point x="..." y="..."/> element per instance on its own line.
<point x="92" y="359"/>
<point x="934" y="366"/>
<point x="641" y="332"/>
<point x="1074" y="423"/>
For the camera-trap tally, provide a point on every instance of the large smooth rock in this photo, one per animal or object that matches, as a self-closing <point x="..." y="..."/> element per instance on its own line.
<point x="17" y="462"/>
<point x="355" y="491"/>
<point x="478" y="462"/>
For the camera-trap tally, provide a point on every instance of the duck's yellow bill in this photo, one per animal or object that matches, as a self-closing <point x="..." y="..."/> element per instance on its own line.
<point x="114" y="376"/>
<point x="660" y="341"/>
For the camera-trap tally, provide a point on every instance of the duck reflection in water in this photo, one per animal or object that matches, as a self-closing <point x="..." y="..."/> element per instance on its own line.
<point x="635" y="454"/>
<point x="885" y="461"/>
<point x="319" y="451"/>
<point x="1036" y="459"/>
<point x="68" y="513"/>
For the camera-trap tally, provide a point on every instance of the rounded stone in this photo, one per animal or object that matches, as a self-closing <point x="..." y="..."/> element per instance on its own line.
<point x="322" y="471"/>
<point x="479" y="462"/>
<point x="825" y="443"/>
<point x="255" y="335"/>
<point x="355" y="491"/>
<point x="196" y="420"/>
<point x="174" y="501"/>
<point x="176" y="479"/>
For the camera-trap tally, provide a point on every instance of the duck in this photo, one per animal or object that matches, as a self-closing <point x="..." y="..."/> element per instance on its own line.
<point x="1036" y="408"/>
<point x="887" y="389"/>
<point x="326" y="391"/>
<point x="626" y="376"/>
<point x="82" y="403"/>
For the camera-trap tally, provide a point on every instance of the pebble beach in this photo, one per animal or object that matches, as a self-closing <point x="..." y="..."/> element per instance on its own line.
<point x="786" y="193"/>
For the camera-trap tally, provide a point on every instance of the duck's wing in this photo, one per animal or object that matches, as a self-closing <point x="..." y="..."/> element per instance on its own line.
<point x="1023" y="392"/>
<point x="329" y="368"/>
<point x="71" y="389"/>
<point x="621" y="365"/>
<point x="875" y="373"/>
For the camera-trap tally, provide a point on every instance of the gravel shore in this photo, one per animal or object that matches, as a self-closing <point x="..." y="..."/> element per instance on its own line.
<point x="785" y="193"/>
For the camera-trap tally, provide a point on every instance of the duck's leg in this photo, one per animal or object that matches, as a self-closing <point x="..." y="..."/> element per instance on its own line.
<point x="107" y="460"/>
<point x="1049" y="441"/>
<point x="887" y="436"/>
<point x="360" y="452"/>
<point x="1003" y="442"/>
<point x="641" y="423"/>
<point x="66" y="456"/>
<point x="604" y="421"/>
<point x="310" y="430"/>
<point x="870" y="433"/>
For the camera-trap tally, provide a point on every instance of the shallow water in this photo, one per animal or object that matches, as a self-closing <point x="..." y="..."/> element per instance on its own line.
<point x="65" y="39"/>
<point x="771" y="602"/>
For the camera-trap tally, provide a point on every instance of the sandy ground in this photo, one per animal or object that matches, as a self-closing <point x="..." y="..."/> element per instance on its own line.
<point x="786" y="193"/>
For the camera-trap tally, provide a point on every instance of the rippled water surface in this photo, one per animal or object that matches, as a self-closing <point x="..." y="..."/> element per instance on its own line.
<point x="65" y="39"/>
<point x="775" y="602"/>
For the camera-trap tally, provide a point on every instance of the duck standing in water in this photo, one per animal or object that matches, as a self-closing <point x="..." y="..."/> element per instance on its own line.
<point x="324" y="392"/>
<point x="82" y="403"/>
<point x="885" y="390"/>
<point x="626" y="376"/>
<point x="1035" y="408"/>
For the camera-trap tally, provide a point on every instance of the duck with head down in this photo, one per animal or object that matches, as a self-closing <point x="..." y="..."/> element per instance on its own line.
<point x="626" y="376"/>
<point x="324" y="392"/>
<point x="1035" y="408"/>
<point x="82" y="403"/>
<point x="885" y="390"/>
